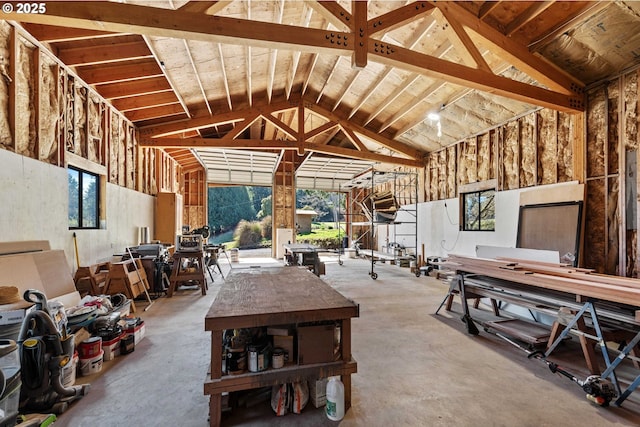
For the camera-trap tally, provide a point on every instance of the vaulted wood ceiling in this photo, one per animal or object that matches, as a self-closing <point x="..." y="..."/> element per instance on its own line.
<point x="334" y="80"/>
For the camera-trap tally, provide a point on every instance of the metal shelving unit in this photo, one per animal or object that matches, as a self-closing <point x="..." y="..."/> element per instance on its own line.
<point x="384" y="208"/>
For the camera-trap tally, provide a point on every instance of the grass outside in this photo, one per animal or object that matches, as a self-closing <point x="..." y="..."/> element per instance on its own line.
<point x="320" y="232"/>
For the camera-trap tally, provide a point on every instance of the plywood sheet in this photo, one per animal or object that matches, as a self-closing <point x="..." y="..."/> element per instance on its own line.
<point x="9" y="248"/>
<point x="20" y="271"/>
<point x="54" y="273"/>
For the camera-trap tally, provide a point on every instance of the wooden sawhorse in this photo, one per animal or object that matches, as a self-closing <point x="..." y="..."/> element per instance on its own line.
<point x="187" y="266"/>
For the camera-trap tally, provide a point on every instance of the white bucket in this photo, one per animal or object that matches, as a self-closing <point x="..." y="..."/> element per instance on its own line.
<point x="92" y="365"/>
<point x="68" y="372"/>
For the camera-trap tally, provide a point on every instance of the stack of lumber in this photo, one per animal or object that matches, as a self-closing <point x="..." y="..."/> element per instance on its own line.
<point x="559" y="277"/>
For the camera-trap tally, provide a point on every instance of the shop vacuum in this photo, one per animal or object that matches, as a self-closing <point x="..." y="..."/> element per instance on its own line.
<point x="44" y="351"/>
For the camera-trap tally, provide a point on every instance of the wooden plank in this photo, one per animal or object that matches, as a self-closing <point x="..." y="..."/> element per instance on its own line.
<point x="288" y="373"/>
<point x="101" y="74"/>
<point x="104" y="54"/>
<point x="580" y="286"/>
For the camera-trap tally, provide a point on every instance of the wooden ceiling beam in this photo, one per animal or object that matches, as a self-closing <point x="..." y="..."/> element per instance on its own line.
<point x="260" y="144"/>
<point x="195" y="123"/>
<point x="477" y="79"/>
<point x="463" y="44"/>
<point x="361" y="32"/>
<point x="413" y="40"/>
<point x="144" y="101"/>
<point x="242" y="126"/>
<point x="374" y="136"/>
<point x="513" y="52"/>
<point x="333" y="13"/>
<point x="273" y="57"/>
<point x="133" y="87"/>
<point x="155" y="21"/>
<point x="487" y="8"/>
<point x="225" y="78"/>
<point x="203" y="6"/>
<point x="53" y="34"/>
<point x="320" y="129"/>
<point x="104" y="53"/>
<point x="399" y="17"/>
<point x="283" y="127"/>
<point x="119" y="72"/>
<point x="527" y="16"/>
<point x="155" y="112"/>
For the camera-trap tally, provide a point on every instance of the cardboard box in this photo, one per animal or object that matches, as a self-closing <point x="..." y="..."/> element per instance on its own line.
<point x="137" y="332"/>
<point x="285" y="343"/>
<point x="318" y="392"/>
<point x="315" y="344"/>
<point x="11" y="314"/>
<point x="283" y="330"/>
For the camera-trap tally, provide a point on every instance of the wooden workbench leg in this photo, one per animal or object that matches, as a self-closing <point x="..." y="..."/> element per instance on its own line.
<point x="215" y="410"/>
<point x="215" y="370"/>
<point x="346" y="357"/>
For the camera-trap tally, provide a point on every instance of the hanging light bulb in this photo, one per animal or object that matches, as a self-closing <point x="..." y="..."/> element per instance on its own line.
<point x="434" y="117"/>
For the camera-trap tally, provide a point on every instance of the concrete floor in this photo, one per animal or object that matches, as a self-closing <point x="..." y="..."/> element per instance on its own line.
<point x="414" y="368"/>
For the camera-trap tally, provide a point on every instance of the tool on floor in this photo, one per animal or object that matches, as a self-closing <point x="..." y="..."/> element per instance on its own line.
<point x="42" y="357"/>
<point x="599" y="390"/>
<point x="135" y="266"/>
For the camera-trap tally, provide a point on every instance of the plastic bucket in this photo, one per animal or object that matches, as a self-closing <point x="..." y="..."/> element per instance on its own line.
<point x="68" y="371"/>
<point x="92" y="365"/>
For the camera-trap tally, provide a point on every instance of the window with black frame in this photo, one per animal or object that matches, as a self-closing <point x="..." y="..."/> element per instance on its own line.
<point x="84" y="199"/>
<point x="479" y="211"/>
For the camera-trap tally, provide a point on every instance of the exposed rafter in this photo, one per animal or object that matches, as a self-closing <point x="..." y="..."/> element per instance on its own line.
<point x="563" y="93"/>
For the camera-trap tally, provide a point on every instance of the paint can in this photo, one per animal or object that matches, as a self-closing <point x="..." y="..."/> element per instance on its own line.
<point x="92" y="365"/>
<point x="277" y="358"/>
<point x="258" y="358"/>
<point x="236" y="360"/>
<point x="90" y="348"/>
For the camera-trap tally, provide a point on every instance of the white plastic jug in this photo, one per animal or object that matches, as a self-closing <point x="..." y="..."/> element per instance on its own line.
<point x="335" y="399"/>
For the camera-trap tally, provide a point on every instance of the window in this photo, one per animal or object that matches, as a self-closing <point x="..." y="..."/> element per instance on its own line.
<point x="84" y="199"/>
<point x="479" y="211"/>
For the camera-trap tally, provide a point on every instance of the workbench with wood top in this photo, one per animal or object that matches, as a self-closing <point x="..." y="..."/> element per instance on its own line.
<point x="257" y="297"/>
